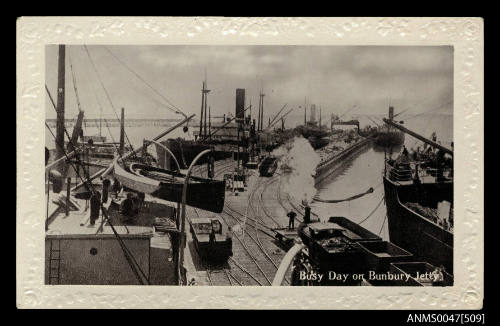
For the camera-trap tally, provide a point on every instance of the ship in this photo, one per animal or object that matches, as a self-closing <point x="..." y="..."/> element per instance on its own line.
<point x="223" y="137"/>
<point x="125" y="237"/>
<point x="341" y="147"/>
<point x="317" y="136"/>
<point x="343" y="144"/>
<point x="386" y="136"/>
<point x="419" y="200"/>
<point x="186" y="151"/>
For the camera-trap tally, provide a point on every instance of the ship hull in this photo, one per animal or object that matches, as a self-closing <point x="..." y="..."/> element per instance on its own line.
<point x="411" y="231"/>
<point x="389" y="139"/>
<point x="325" y="169"/>
<point x="201" y="193"/>
<point x="186" y="151"/>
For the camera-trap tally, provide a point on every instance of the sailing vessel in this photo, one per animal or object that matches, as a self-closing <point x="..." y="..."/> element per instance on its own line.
<point x="419" y="200"/>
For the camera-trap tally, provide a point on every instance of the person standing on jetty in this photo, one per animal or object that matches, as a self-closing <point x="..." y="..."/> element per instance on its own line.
<point x="307" y="214"/>
<point x="291" y="219"/>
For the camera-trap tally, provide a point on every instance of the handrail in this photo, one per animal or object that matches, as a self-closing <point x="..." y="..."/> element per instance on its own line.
<point x="138" y="150"/>
<point x="401" y="174"/>
<point x="165" y="148"/>
<point x="286" y="262"/>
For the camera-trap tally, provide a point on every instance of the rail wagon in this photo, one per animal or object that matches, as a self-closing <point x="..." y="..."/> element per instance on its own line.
<point x="332" y="247"/>
<point x="211" y="238"/>
<point x="268" y="166"/>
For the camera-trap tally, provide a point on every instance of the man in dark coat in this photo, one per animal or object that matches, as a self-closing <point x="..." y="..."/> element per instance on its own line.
<point x="95" y="207"/>
<point x="128" y="207"/>
<point x="307" y="214"/>
<point x="291" y="219"/>
<point x="211" y="237"/>
<point x="105" y="190"/>
<point x="117" y="187"/>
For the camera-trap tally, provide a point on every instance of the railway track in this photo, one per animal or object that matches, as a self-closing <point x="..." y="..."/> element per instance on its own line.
<point x="262" y="204"/>
<point x="252" y="262"/>
<point x="260" y="249"/>
<point x="262" y="244"/>
<point x="248" y="261"/>
<point x="218" y="274"/>
<point x="245" y="269"/>
<point x="291" y="204"/>
<point x="282" y="203"/>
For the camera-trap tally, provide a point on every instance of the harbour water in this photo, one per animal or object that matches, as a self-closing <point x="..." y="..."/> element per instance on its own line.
<point x="354" y="177"/>
<point x="365" y="171"/>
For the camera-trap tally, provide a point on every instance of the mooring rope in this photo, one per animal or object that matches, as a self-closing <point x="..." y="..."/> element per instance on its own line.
<point x="373" y="211"/>
<point x="369" y="191"/>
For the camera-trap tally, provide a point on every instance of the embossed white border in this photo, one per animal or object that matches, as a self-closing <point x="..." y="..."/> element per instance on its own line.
<point x="465" y="34"/>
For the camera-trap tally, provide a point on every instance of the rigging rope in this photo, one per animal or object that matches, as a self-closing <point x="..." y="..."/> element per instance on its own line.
<point x="355" y="106"/>
<point x="74" y="81"/>
<point x="381" y="228"/>
<point x="128" y="255"/>
<point x="107" y="95"/>
<point x="432" y="109"/>
<point x="170" y="105"/>
<point x="428" y="125"/>
<point x="114" y="142"/>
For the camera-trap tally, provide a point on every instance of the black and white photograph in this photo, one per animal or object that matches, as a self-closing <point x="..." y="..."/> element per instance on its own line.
<point x="249" y="165"/>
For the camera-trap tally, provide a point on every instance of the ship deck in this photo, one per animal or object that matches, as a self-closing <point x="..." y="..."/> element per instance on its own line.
<point x="77" y="222"/>
<point x="76" y="227"/>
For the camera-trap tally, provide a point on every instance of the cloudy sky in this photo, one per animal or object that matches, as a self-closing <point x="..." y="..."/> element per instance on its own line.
<point x="336" y="78"/>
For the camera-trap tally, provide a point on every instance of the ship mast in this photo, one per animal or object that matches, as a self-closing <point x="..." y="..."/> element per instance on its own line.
<point x="206" y="91"/>
<point x="202" y="106"/>
<point x="277" y="114"/>
<point x="100" y="121"/>
<point x="320" y="117"/>
<point x="262" y="115"/>
<point x="305" y="111"/>
<point x="60" y="102"/>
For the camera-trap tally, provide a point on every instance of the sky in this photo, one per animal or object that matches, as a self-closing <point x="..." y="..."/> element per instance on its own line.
<point x="339" y="79"/>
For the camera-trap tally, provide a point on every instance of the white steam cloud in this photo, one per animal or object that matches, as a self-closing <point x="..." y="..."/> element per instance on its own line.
<point x="302" y="160"/>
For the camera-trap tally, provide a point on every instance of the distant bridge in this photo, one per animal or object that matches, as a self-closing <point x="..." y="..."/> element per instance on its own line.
<point x="116" y="123"/>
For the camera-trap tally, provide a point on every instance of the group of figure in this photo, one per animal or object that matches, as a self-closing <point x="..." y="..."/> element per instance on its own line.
<point x="129" y="207"/>
<point x="97" y="199"/>
<point x="429" y="157"/>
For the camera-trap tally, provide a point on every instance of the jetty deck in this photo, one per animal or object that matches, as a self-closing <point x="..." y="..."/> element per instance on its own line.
<point x="70" y="240"/>
<point x="252" y="216"/>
